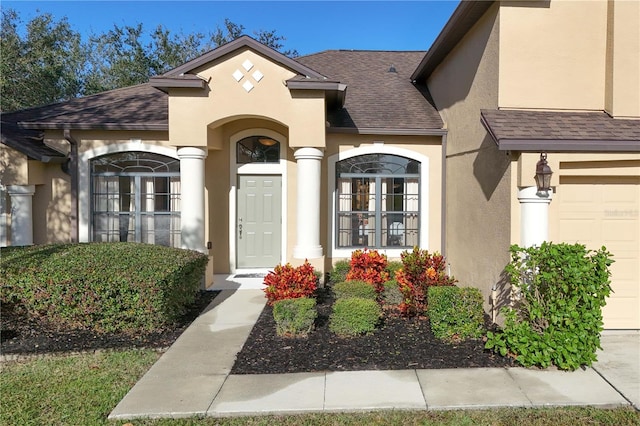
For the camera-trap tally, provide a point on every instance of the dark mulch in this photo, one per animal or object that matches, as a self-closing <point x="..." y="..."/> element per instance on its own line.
<point x="398" y="344"/>
<point x="21" y="337"/>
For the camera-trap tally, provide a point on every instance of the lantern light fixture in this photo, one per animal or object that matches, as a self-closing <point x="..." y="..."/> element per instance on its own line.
<point x="543" y="175"/>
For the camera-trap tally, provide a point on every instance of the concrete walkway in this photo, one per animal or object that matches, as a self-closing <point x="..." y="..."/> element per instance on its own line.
<point x="192" y="378"/>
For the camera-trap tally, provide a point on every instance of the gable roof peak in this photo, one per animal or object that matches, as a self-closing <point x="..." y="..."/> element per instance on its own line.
<point x="241" y="42"/>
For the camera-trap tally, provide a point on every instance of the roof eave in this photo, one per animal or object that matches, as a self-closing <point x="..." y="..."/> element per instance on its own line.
<point x="55" y="157"/>
<point x="91" y="126"/>
<point x="463" y="18"/>
<point x="176" y="83"/>
<point x="568" y="145"/>
<point x="335" y="91"/>
<point x="387" y="131"/>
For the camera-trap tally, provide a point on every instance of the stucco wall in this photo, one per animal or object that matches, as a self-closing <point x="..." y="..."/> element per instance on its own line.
<point x="552" y="54"/>
<point x="52" y="207"/>
<point x="478" y="175"/>
<point x="190" y="112"/>
<point x="14" y="169"/>
<point x="622" y="92"/>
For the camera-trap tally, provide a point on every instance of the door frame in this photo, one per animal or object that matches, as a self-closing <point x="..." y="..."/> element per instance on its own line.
<point x="255" y="169"/>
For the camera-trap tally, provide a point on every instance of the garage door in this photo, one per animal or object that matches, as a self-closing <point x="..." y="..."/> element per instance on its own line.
<point x="605" y="211"/>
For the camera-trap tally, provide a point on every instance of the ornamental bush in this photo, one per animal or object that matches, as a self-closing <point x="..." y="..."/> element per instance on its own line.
<point x="360" y="289"/>
<point x="455" y="313"/>
<point x="294" y="317"/>
<point x="369" y="266"/>
<point x="340" y="270"/>
<point x="354" y="316"/>
<point x="420" y="271"/>
<point x="557" y="317"/>
<point x="287" y="282"/>
<point x="105" y="287"/>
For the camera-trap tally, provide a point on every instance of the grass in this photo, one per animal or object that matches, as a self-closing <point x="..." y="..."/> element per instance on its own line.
<point x="83" y="389"/>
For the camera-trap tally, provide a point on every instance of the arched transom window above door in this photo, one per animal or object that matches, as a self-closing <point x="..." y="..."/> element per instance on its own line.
<point x="257" y="149"/>
<point x="377" y="202"/>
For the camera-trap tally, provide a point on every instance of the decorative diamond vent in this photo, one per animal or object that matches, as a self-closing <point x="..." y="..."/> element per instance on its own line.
<point x="239" y="75"/>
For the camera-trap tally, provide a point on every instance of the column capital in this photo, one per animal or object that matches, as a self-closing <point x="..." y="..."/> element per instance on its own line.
<point x="308" y="153"/>
<point x="21" y="189"/>
<point x="193" y="152"/>
<point x="530" y="194"/>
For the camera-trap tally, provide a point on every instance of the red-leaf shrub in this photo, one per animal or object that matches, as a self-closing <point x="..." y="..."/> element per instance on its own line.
<point x="369" y="266"/>
<point x="420" y="271"/>
<point x="287" y="282"/>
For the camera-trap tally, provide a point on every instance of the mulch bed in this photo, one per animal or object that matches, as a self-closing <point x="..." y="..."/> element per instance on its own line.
<point x="398" y="344"/>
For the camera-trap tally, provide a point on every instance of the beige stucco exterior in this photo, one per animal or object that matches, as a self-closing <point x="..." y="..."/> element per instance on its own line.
<point x="570" y="55"/>
<point x="622" y="90"/>
<point x="552" y="55"/>
<point x="477" y="176"/>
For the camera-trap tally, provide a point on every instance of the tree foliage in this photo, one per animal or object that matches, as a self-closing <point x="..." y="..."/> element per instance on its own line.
<point x="51" y="62"/>
<point x="42" y="67"/>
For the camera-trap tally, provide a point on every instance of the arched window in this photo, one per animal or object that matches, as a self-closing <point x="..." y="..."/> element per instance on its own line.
<point x="257" y="149"/>
<point x="378" y="202"/>
<point x="136" y="197"/>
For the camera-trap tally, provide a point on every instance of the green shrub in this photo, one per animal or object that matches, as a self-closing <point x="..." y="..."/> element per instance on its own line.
<point x="101" y="286"/>
<point x="560" y="289"/>
<point x="392" y="295"/>
<point x="455" y="313"/>
<point x="294" y="317"/>
<point x="393" y="266"/>
<point x="354" y="316"/>
<point x="360" y="289"/>
<point x="340" y="270"/>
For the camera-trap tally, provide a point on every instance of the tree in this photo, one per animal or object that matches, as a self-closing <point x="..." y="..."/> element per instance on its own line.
<point x="274" y="41"/>
<point x="44" y="67"/>
<point x="51" y="63"/>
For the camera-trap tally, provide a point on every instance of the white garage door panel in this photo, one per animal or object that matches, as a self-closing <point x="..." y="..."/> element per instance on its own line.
<point x="607" y="214"/>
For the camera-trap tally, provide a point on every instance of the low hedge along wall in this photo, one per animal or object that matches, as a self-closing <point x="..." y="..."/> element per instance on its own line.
<point x="101" y="286"/>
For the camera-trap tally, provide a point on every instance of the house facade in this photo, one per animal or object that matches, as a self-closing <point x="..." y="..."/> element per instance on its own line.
<point x="256" y="158"/>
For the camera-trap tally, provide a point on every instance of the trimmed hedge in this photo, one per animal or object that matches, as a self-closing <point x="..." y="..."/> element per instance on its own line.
<point x="455" y="313"/>
<point x="101" y="286"/>
<point x="340" y="270"/>
<point x="294" y="317"/>
<point x="360" y="289"/>
<point x="354" y="316"/>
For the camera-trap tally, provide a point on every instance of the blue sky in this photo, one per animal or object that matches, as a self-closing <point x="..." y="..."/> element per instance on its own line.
<point x="308" y="26"/>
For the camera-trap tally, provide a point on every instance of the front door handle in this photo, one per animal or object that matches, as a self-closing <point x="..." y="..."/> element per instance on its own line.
<point x="240" y="231"/>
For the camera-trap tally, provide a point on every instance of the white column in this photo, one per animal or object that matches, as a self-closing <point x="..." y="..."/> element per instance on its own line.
<point x="192" y="198"/>
<point x="308" y="204"/>
<point x="21" y="214"/>
<point x="534" y="216"/>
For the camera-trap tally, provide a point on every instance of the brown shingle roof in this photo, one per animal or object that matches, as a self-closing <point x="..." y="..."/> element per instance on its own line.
<point x="140" y="107"/>
<point x="377" y="101"/>
<point x="376" y="98"/>
<point x="561" y="131"/>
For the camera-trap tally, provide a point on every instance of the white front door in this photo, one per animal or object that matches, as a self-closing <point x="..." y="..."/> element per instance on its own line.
<point x="259" y="221"/>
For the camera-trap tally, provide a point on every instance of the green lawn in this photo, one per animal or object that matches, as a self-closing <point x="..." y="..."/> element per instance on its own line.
<point x="83" y="389"/>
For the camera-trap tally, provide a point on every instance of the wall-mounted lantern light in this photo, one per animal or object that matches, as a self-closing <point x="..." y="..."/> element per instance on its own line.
<point x="543" y="175"/>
